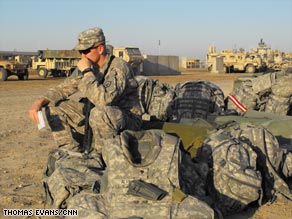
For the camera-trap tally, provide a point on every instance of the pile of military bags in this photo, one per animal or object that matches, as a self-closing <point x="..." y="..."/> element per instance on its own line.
<point x="270" y="92"/>
<point x="196" y="157"/>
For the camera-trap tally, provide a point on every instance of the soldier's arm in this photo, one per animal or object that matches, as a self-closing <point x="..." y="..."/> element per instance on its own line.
<point x="108" y="91"/>
<point x="54" y="95"/>
<point x="65" y="89"/>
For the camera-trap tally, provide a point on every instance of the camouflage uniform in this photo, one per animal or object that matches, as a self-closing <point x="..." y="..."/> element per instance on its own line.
<point x="113" y="91"/>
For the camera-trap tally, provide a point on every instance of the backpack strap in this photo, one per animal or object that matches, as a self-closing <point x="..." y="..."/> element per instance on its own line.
<point x="145" y="91"/>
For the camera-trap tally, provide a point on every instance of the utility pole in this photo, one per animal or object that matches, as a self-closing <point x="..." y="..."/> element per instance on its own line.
<point x="159" y="47"/>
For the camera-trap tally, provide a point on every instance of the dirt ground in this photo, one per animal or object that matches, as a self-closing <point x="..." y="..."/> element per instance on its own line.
<point x="24" y="153"/>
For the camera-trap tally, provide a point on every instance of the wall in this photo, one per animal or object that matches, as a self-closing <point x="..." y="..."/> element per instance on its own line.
<point x="161" y="65"/>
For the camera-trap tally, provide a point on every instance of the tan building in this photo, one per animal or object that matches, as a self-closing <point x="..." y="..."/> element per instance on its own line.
<point x="288" y="55"/>
<point x="193" y="63"/>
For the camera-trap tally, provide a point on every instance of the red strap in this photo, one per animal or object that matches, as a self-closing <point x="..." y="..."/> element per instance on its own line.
<point x="237" y="103"/>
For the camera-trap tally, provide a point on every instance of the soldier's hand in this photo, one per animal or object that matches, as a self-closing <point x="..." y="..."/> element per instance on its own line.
<point x="37" y="105"/>
<point x="84" y="63"/>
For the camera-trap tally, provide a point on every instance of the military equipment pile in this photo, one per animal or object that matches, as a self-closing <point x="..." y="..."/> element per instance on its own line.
<point x="199" y="155"/>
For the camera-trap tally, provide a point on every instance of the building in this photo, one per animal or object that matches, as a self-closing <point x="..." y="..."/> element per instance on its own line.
<point x="193" y="63"/>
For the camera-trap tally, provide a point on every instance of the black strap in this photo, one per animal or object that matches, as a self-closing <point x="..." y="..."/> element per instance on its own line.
<point x="106" y="70"/>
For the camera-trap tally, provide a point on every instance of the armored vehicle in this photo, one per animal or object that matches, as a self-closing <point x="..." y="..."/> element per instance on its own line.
<point x="132" y="55"/>
<point x="13" y="65"/>
<point x="55" y="63"/>
<point x="237" y="61"/>
<point x="276" y="60"/>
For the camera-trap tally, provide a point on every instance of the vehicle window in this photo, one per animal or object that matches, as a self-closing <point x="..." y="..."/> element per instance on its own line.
<point x="133" y="51"/>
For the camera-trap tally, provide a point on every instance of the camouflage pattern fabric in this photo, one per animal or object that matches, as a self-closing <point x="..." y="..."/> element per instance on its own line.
<point x="113" y="85"/>
<point x="270" y="157"/>
<point x="287" y="165"/>
<point x="64" y="117"/>
<point x="150" y="156"/>
<point x="278" y="105"/>
<point x="68" y="173"/>
<point x="89" y="38"/>
<point x="261" y="137"/>
<point x="89" y="206"/>
<point x="117" y="88"/>
<point x="191" y="207"/>
<point x="109" y="121"/>
<point x="283" y="89"/>
<point x="234" y="181"/>
<point x="196" y="99"/>
<point x="155" y="98"/>
<point x="280" y="99"/>
<point x="242" y="98"/>
<point x="267" y="93"/>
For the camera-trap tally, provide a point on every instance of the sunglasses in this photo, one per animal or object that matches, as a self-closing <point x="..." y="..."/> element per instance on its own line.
<point x="86" y="51"/>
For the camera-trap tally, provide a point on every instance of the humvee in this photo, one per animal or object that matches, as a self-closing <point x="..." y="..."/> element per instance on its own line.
<point x="13" y="65"/>
<point x="132" y="55"/>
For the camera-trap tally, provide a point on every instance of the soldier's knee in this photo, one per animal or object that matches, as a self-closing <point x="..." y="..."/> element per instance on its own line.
<point x="103" y="112"/>
<point x="97" y="113"/>
<point x="109" y="116"/>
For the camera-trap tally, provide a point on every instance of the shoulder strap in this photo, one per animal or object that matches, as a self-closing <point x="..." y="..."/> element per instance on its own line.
<point x="108" y="66"/>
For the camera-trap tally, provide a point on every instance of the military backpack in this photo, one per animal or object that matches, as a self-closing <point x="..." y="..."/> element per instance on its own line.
<point x="196" y="99"/>
<point x="155" y="98"/>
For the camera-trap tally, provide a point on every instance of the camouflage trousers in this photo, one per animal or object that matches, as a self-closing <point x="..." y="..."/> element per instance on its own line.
<point x="108" y="121"/>
<point x="66" y="121"/>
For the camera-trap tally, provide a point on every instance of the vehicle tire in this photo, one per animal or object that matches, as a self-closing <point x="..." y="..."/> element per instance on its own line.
<point x="42" y="72"/>
<point x="58" y="73"/>
<point x="54" y="73"/>
<point x="227" y="69"/>
<point x="3" y="74"/>
<point x="250" y="69"/>
<point x="20" y="77"/>
<point x="26" y="74"/>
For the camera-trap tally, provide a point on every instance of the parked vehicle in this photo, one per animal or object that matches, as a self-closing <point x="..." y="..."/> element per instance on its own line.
<point x="55" y="63"/>
<point x="132" y="55"/>
<point x="13" y="65"/>
<point x="237" y="61"/>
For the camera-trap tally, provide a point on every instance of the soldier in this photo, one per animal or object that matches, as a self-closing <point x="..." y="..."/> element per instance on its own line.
<point x="106" y="81"/>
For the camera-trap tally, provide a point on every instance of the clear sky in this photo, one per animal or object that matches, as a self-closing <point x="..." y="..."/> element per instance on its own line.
<point x="183" y="27"/>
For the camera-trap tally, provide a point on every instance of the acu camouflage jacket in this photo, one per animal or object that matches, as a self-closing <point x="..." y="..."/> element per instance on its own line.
<point x="112" y="84"/>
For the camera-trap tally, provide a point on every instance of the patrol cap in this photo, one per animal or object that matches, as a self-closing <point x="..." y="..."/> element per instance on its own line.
<point x="88" y="38"/>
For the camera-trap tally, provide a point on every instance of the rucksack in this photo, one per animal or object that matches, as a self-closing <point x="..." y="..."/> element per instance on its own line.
<point x="196" y="99"/>
<point x="233" y="181"/>
<point x="68" y="173"/>
<point x="270" y="160"/>
<point x="269" y="92"/>
<point x="155" y="98"/>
